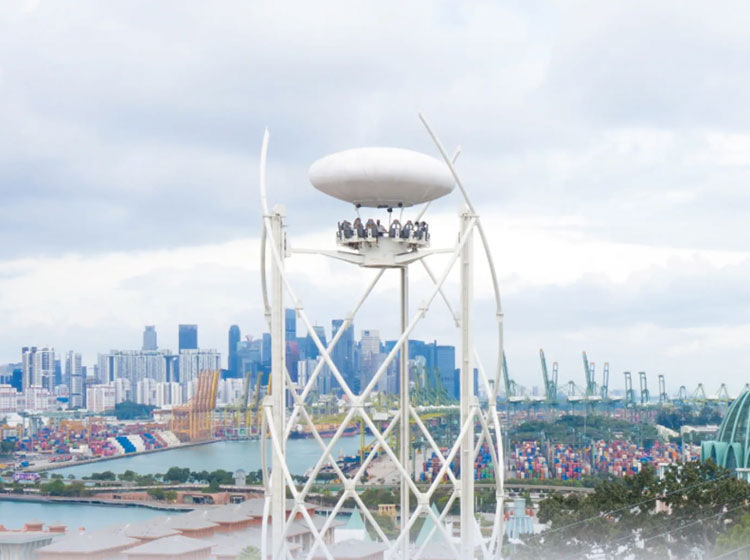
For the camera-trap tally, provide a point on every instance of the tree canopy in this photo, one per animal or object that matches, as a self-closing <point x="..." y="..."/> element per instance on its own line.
<point x="673" y="517"/>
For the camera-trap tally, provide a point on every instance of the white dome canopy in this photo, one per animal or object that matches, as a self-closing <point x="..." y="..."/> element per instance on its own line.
<point x="382" y="177"/>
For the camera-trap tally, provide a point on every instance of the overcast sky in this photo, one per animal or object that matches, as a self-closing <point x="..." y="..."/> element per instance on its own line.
<point x="606" y="145"/>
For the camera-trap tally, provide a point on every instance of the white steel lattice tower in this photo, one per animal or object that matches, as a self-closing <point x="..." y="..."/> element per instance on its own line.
<point x="382" y="178"/>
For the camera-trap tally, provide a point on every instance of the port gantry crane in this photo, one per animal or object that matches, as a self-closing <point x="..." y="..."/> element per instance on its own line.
<point x="604" y="390"/>
<point x="550" y="383"/>
<point x="591" y="395"/>
<point x="629" y="393"/>
<point x="663" y="396"/>
<point x="645" y="395"/>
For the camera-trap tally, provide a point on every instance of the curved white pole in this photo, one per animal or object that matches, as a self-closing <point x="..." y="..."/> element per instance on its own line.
<point x="263" y="278"/>
<point x="263" y="159"/>
<point x="485" y="243"/>
<point x="499" y="315"/>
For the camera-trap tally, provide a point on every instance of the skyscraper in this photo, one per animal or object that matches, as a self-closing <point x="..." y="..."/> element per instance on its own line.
<point x="445" y="363"/>
<point x="232" y="362"/>
<point x="343" y="353"/>
<point x="265" y="351"/>
<point x="38" y="367"/>
<point x="149" y="338"/>
<point x="311" y="350"/>
<point x="192" y="362"/>
<point x="133" y="365"/>
<point x="188" y="337"/>
<point x="74" y="376"/>
<point x="290" y="319"/>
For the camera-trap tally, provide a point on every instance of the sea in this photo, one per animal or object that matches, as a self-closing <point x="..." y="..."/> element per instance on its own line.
<point x="227" y="455"/>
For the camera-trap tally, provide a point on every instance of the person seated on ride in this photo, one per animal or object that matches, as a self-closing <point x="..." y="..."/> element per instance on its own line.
<point x="372" y="229"/>
<point x="381" y="229"/>
<point x="406" y="231"/>
<point x="395" y="230"/>
<point x="347" y="230"/>
<point x="359" y="228"/>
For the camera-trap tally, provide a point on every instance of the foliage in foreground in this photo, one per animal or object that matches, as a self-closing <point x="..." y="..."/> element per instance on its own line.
<point x="683" y="513"/>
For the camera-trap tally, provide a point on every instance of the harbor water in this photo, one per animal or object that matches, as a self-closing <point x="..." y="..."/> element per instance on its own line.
<point x="227" y="455"/>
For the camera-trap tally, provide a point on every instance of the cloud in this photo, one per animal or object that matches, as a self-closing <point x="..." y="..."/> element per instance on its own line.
<point x="605" y="144"/>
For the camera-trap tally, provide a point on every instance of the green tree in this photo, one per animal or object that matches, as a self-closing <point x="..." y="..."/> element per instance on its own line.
<point x="128" y="410"/>
<point x="157" y="494"/>
<point x="736" y="540"/>
<point x="106" y="475"/>
<point x="177" y="474"/>
<point x="673" y="517"/>
<point x="128" y="476"/>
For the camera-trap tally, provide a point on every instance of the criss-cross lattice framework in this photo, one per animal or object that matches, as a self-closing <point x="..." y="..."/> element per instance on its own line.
<point x="277" y="427"/>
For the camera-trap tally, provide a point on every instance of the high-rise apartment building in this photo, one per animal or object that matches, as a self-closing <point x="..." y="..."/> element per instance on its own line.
<point x="38" y="367"/>
<point x="168" y="394"/>
<point x="192" y="362"/>
<point x="230" y="392"/>
<point x="37" y="398"/>
<point x="74" y="377"/>
<point x="149" y="338"/>
<point x="234" y="339"/>
<point x="134" y="365"/>
<point x="10" y="399"/>
<point x="145" y="392"/>
<point x="100" y="397"/>
<point x="188" y="337"/>
<point x="123" y="390"/>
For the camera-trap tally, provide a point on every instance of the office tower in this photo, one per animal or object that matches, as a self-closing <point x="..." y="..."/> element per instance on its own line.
<point x="265" y="351"/>
<point x="16" y="379"/>
<point x="74" y="377"/>
<point x="248" y="358"/>
<point x="292" y="358"/>
<point x="370" y="359"/>
<point x="232" y="362"/>
<point x="149" y="338"/>
<point x="445" y="364"/>
<point x="290" y="318"/>
<point x="369" y="343"/>
<point x="343" y="353"/>
<point x="308" y="349"/>
<point x="38" y="366"/>
<point x="58" y="380"/>
<point x="188" y="337"/>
